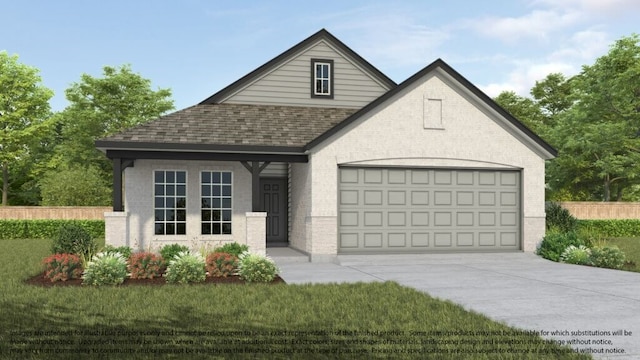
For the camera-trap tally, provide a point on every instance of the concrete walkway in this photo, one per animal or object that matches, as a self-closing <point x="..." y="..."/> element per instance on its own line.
<point x="519" y="289"/>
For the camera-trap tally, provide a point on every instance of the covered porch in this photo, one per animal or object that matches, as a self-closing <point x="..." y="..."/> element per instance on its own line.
<point x="258" y="200"/>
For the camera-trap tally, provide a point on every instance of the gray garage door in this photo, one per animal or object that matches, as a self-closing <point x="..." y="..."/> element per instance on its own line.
<point x="427" y="210"/>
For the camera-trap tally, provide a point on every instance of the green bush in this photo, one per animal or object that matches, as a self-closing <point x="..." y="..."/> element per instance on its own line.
<point x="73" y="239"/>
<point x="125" y="251"/>
<point x="168" y="252"/>
<point x="232" y="248"/>
<point x="221" y="264"/>
<point x="62" y="267"/>
<point x="555" y="243"/>
<point x="256" y="268"/>
<point x="108" y="268"/>
<point x="579" y="255"/>
<point x="610" y="257"/>
<point x="145" y="265"/>
<point x="559" y="219"/>
<point x="611" y="228"/>
<point x="186" y="268"/>
<point x="45" y="229"/>
<point x="75" y="186"/>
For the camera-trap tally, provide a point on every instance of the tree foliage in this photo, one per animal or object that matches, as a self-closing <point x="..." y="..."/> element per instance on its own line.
<point x="598" y="138"/>
<point x="24" y="110"/>
<point x="102" y="106"/>
<point x="99" y="107"/>
<point x="75" y="186"/>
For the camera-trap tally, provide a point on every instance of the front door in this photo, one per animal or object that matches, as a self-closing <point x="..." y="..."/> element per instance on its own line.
<point x="273" y="200"/>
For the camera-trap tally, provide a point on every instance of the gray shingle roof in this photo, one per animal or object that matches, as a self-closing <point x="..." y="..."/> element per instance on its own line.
<point x="235" y="124"/>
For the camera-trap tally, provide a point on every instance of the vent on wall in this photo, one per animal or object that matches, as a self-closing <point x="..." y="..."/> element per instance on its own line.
<point x="432" y="116"/>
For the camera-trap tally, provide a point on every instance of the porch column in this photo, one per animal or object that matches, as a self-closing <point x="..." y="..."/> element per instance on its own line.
<point x="116" y="228"/>
<point x="117" y="185"/>
<point x="255" y="169"/>
<point x="257" y="232"/>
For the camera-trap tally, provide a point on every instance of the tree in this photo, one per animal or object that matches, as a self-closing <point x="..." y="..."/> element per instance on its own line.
<point x="553" y="95"/>
<point x="75" y="186"/>
<point x="100" y="107"/>
<point x="524" y="109"/>
<point x="599" y="137"/>
<point x="24" y="109"/>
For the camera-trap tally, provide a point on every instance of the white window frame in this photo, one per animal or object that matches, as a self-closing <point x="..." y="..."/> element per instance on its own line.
<point x="175" y="222"/>
<point x="225" y="216"/>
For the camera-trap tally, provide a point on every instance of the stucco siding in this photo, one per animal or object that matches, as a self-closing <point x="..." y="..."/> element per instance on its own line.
<point x="397" y="135"/>
<point x="139" y="204"/>
<point x="290" y="83"/>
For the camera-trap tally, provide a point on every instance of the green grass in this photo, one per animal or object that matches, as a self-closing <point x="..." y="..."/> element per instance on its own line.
<point x="320" y="321"/>
<point x="631" y="249"/>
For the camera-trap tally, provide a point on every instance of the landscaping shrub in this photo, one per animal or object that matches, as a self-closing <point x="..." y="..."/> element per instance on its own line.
<point x="221" y="264"/>
<point x="62" y="267"/>
<point x="186" y="268"/>
<point x="108" y="268"/>
<point x="610" y="257"/>
<point x="73" y="239"/>
<point x="168" y="252"/>
<point x="559" y="219"/>
<point x="45" y="229"/>
<point x="145" y="265"/>
<point x="125" y="251"/>
<point x="611" y="228"/>
<point x="233" y="248"/>
<point x="256" y="268"/>
<point x="579" y="255"/>
<point x="555" y="243"/>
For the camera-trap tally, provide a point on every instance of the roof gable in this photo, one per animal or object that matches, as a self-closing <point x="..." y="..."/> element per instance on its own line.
<point x="517" y="128"/>
<point x="286" y="79"/>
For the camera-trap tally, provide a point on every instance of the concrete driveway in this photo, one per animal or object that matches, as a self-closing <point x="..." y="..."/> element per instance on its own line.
<point x="520" y="289"/>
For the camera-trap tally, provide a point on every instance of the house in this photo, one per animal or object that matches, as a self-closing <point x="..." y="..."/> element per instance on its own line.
<point x="320" y="151"/>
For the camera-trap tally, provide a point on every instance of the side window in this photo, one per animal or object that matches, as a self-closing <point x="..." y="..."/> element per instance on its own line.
<point x="216" y="202"/>
<point x="322" y="78"/>
<point x="170" y="202"/>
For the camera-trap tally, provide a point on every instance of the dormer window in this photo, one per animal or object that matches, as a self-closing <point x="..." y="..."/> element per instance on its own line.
<point x="322" y="78"/>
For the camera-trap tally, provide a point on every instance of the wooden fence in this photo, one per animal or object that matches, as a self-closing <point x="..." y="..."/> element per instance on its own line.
<point x="54" y="212"/>
<point x="603" y="210"/>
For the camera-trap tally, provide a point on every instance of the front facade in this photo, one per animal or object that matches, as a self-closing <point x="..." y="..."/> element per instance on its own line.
<point x="319" y="151"/>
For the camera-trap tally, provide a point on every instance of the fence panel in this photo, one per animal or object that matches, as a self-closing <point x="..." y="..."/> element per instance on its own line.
<point x="54" y="212"/>
<point x="586" y="210"/>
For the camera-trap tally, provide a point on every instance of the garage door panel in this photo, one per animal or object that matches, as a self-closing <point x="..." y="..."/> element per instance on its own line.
<point x="423" y="210"/>
<point x="397" y="240"/>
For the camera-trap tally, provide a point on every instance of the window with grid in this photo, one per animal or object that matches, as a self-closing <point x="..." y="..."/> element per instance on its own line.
<point x="321" y="73"/>
<point x="170" y="202"/>
<point x="216" y="202"/>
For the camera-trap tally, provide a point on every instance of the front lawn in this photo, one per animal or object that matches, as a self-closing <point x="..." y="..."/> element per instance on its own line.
<point x="631" y="249"/>
<point x="369" y="321"/>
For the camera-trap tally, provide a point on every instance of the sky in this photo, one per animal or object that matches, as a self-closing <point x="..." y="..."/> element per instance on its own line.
<point x="197" y="47"/>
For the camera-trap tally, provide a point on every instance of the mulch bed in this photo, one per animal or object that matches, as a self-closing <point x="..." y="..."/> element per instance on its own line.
<point x="40" y="280"/>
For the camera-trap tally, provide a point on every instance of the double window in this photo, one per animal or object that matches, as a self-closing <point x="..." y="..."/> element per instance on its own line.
<point x="170" y="202"/>
<point x="322" y="78"/>
<point x="215" y="197"/>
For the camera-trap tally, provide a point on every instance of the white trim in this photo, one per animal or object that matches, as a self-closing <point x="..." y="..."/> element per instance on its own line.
<point x="316" y="78"/>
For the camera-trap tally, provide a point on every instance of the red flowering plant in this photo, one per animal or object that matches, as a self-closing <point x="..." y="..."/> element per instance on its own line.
<point x="145" y="265"/>
<point x="221" y="264"/>
<point x="62" y="267"/>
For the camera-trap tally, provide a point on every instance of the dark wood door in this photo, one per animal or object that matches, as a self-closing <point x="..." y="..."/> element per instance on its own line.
<point x="273" y="200"/>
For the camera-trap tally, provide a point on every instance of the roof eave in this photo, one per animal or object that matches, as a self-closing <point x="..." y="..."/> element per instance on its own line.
<point x="107" y="145"/>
